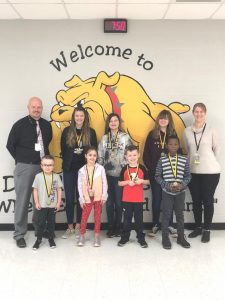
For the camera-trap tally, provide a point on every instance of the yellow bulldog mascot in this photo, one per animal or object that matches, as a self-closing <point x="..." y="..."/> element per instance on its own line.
<point x="102" y="95"/>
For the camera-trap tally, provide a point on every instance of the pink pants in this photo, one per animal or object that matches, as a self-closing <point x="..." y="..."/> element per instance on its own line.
<point x="86" y="213"/>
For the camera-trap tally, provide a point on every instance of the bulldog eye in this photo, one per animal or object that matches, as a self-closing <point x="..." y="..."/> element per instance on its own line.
<point x="80" y="103"/>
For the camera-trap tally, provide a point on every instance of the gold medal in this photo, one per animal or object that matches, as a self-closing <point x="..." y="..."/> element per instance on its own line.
<point x="48" y="188"/>
<point x="162" y="142"/>
<point x="173" y="166"/>
<point x="133" y="176"/>
<point x="90" y="181"/>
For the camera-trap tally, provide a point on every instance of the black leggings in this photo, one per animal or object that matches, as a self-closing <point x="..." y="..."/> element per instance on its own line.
<point x="202" y="188"/>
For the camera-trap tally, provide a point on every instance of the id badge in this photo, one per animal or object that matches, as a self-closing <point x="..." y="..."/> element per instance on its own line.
<point x="196" y="159"/>
<point x="37" y="147"/>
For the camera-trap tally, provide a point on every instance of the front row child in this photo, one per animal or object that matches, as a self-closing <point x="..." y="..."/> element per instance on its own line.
<point x="173" y="174"/>
<point x="132" y="178"/>
<point x="92" y="187"/>
<point x="47" y="192"/>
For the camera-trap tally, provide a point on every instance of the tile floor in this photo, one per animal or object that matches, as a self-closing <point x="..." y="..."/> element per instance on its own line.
<point x="111" y="272"/>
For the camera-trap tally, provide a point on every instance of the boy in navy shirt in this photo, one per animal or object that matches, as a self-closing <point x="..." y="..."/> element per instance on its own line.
<point x="132" y="178"/>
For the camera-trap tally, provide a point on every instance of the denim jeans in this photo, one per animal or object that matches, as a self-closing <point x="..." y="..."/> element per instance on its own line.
<point x="114" y="203"/>
<point x="72" y="196"/>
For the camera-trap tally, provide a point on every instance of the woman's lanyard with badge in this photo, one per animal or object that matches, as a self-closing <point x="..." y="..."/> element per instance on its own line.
<point x="162" y="143"/>
<point x="49" y="189"/>
<point x="133" y="176"/>
<point x="197" y="156"/>
<point x="112" y="144"/>
<point x="78" y="150"/>
<point x="90" y="181"/>
<point x="173" y="166"/>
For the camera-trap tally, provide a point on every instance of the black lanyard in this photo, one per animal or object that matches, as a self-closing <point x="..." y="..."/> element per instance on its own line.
<point x="198" y="144"/>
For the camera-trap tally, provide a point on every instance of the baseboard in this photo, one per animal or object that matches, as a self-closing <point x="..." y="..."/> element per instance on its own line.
<point x="104" y="226"/>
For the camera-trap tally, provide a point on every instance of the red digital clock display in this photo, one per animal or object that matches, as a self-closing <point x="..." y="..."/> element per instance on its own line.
<point x="115" y="25"/>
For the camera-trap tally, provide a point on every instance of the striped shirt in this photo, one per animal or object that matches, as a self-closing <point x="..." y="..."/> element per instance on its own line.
<point x="164" y="173"/>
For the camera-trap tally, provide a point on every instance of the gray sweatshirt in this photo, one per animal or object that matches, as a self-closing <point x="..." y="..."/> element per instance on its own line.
<point x="112" y="156"/>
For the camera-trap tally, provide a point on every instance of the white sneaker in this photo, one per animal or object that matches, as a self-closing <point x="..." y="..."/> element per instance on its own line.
<point x="153" y="231"/>
<point x="68" y="233"/>
<point x="172" y="231"/>
<point x="81" y="241"/>
<point x="97" y="242"/>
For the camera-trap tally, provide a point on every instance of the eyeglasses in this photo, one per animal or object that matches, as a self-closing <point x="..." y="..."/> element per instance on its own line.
<point x="45" y="165"/>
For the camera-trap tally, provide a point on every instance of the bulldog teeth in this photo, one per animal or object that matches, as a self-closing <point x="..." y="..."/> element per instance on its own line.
<point x="57" y="124"/>
<point x="75" y="105"/>
<point x="82" y="102"/>
<point x="60" y="103"/>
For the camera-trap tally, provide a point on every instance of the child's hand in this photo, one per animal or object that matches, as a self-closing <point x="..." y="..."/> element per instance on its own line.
<point x="37" y="205"/>
<point x="82" y="205"/>
<point x="139" y="181"/>
<point x="57" y="206"/>
<point x="131" y="183"/>
<point x="103" y="202"/>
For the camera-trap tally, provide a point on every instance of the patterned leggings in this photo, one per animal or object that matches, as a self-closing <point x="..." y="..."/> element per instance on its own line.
<point x="86" y="213"/>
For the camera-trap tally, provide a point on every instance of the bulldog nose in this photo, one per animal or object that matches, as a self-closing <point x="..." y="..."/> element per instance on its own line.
<point x="61" y="111"/>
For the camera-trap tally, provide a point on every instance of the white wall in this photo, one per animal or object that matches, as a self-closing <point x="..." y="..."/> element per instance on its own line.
<point x="189" y="66"/>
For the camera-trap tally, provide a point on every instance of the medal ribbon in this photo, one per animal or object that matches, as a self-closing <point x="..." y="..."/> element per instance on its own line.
<point x="78" y="140"/>
<point x="110" y="138"/>
<point x="162" y="143"/>
<point x="174" y="166"/>
<point x="48" y="188"/>
<point x="129" y="174"/>
<point x="90" y="181"/>
<point x="198" y="144"/>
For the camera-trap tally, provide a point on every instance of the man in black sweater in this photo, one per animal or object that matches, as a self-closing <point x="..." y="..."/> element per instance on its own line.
<point x="28" y="141"/>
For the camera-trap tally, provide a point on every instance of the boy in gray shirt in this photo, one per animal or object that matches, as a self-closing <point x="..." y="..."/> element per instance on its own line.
<point x="47" y="192"/>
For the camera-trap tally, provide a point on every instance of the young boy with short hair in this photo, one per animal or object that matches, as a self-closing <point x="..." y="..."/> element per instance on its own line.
<point x="132" y="178"/>
<point x="47" y="192"/>
<point x="173" y="174"/>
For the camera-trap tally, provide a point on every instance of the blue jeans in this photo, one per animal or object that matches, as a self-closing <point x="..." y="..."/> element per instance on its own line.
<point x="156" y="203"/>
<point x="114" y="203"/>
<point x="72" y="196"/>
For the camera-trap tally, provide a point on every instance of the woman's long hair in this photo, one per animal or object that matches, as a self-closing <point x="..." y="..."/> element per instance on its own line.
<point x="85" y="130"/>
<point x="110" y="116"/>
<point x="164" y="114"/>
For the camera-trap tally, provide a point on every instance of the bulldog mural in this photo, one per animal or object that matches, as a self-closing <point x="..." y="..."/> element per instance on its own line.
<point x="104" y="94"/>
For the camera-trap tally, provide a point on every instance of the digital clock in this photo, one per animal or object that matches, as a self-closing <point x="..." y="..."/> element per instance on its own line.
<point x="115" y="25"/>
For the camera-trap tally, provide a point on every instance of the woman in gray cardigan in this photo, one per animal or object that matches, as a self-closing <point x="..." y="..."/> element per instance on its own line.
<point x="202" y="146"/>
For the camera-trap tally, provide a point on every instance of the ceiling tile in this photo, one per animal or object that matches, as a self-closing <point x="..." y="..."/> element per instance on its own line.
<point x="220" y="14"/>
<point x="142" y="11"/>
<point x="91" y="11"/>
<point x="41" y="11"/>
<point x="144" y="1"/>
<point x="191" y="11"/>
<point x="7" y="12"/>
<point x="35" y="1"/>
<point x="90" y="1"/>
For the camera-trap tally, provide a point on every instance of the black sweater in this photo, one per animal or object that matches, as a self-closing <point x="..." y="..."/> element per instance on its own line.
<point x="72" y="161"/>
<point x="22" y="139"/>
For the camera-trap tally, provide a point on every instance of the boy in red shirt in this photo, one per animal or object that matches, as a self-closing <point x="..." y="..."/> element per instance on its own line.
<point x="132" y="178"/>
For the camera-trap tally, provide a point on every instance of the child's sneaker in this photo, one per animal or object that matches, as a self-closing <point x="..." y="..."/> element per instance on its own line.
<point x="143" y="244"/>
<point x="52" y="244"/>
<point x="110" y="233"/>
<point x="69" y="232"/>
<point x="153" y="231"/>
<point x="122" y="243"/>
<point x="172" y="231"/>
<point x="81" y="241"/>
<point x="97" y="242"/>
<point x="36" y="244"/>
<point x="77" y="231"/>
